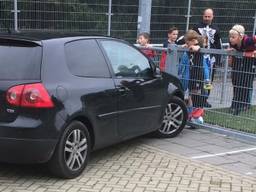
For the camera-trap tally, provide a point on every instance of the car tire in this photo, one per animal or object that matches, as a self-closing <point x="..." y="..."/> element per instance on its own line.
<point x="174" y="120"/>
<point x="72" y="151"/>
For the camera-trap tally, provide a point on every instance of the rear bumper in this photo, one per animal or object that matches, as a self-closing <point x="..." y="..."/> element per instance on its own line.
<point x="14" y="150"/>
<point x="29" y="140"/>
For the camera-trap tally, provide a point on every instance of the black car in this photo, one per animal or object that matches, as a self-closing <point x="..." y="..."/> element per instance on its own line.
<point x="62" y="96"/>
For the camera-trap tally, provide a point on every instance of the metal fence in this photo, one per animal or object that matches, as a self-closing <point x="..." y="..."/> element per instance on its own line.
<point x="166" y="14"/>
<point x="88" y="16"/>
<point x="232" y="97"/>
<point x="96" y="17"/>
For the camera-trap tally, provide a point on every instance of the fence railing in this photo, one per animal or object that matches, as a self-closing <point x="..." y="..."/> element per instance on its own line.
<point x="229" y="101"/>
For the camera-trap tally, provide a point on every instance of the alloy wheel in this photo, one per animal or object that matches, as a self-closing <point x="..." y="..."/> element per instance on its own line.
<point x="75" y="150"/>
<point x="173" y="119"/>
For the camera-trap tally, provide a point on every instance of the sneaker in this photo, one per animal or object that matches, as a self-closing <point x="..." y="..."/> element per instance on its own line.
<point x="208" y="86"/>
<point x="207" y="105"/>
<point x="197" y="112"/>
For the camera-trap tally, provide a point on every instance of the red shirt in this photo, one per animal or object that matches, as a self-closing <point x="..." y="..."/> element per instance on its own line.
<point x="148" y="52"/>
<point x="248" y="44"/>
<point x="162" y="61"/>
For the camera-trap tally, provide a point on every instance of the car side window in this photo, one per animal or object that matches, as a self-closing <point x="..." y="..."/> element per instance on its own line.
<point x="126" y="61"/>
<point x="84" y="58"/>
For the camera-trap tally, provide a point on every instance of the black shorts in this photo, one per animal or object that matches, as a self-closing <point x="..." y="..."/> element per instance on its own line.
<point x="196" y="77"/>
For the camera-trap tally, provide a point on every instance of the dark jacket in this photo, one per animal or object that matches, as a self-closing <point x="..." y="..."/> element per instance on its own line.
<point x="166" y="43"/>
<point x="214" y="34"/>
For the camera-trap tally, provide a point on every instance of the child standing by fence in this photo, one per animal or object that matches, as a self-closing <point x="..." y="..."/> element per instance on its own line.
<point x="172" y="37"/>
<point x="144" y="40"/>
<point x="191" y="70"/>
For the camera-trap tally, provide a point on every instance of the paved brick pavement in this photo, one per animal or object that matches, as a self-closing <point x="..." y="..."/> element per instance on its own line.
<point x="199" y="142"/>
<point x="131" y="166"/>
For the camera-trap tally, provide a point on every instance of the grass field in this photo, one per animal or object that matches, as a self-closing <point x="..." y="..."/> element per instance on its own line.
<point x="245" y="121"/>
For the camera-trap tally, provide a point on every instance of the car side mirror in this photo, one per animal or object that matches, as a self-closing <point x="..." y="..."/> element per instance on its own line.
<point x="157" y="72"/>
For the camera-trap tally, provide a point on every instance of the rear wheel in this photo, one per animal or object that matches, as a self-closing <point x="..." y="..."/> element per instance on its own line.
<point x="175" y="117"/>
<point x="72" y="152"/>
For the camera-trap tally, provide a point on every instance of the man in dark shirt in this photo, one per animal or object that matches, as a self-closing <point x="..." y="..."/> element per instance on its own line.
<point x="207" y="29"/>
<point x="211" y="33"/>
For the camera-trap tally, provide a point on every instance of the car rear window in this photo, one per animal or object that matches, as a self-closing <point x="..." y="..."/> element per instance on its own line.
<point x="19" y="61"/>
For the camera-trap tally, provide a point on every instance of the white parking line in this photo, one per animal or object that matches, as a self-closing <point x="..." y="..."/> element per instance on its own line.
<point x="222" y="154"/>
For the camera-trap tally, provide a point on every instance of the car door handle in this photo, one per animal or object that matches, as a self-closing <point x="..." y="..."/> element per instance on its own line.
<point x="123" y="90"/>
<point x="138" y="81"/>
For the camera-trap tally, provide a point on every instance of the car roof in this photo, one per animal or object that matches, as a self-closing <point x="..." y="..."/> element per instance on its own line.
<point x="40" y="36"/>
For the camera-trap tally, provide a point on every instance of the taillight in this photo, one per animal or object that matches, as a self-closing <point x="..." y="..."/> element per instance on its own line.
<point x="14" y="95"/>
<point x="29" y="95"/>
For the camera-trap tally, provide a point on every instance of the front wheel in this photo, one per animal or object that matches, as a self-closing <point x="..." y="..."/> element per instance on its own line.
<point x="175" y="118"/>
<point x="72" y="152"/>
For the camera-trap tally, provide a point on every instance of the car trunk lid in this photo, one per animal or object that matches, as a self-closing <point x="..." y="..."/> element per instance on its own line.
<point x="20" y="63"/>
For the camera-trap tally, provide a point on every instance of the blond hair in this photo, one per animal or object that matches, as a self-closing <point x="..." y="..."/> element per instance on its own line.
<point x="237" y="29"/>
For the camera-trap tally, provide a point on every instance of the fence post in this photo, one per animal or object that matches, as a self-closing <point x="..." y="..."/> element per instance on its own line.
<point x="144" y="16"/>
<point x="172" y="60"/>
<point x="15" y="11"/>
<point x="109" y="14"/>
<point x="254" y="26"/>
<point x="188" y="14"/>
<point x="224" y="82"/>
